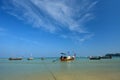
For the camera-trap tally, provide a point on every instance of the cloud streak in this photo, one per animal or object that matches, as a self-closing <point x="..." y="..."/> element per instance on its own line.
<point x="53" y="15"/>
<point x="21" y="39"/>
<point x="2" y="29"/>
<point x="4" y="32"/>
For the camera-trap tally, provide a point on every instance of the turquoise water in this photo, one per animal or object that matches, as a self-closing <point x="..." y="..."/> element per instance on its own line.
<point x="53" y="69"/>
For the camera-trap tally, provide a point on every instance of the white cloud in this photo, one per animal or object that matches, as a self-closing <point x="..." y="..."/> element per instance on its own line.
<point x="86" y="37"/>
<point x="53" y="15"/>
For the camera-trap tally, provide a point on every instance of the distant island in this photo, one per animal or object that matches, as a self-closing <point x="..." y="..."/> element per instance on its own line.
<point x="113" y="54"/>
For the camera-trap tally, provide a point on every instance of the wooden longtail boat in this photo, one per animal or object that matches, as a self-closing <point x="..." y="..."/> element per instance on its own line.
<point x="15" y="58"/>
<point x="66" y="58"/>
<point x="94" y="58"/>
<point x="106" y="57"/>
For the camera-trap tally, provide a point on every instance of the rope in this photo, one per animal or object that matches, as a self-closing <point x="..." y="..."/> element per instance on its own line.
<point x="52" y="74"/>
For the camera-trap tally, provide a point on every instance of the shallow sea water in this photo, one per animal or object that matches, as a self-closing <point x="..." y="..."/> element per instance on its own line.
<point x="53" y="69"/>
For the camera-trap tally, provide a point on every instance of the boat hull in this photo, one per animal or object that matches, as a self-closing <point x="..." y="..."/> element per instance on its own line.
<point x="94" y="58"/>
<point x="106" y="57"/>
<point x="65" y="59"/>
<point x="15" y="58"/>
<point x="30" y="59"/>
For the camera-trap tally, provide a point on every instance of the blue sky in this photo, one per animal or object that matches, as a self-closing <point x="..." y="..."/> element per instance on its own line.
<point x="48" y="27"/>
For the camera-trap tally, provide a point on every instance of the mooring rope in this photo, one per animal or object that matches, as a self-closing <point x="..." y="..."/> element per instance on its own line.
<point x="52" y="74"/>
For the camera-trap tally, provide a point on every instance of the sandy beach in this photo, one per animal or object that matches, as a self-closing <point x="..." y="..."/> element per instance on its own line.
<point x="79" y="69"/>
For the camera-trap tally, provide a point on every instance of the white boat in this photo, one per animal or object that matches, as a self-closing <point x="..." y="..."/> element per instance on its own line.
<point x="30" y="58"/>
